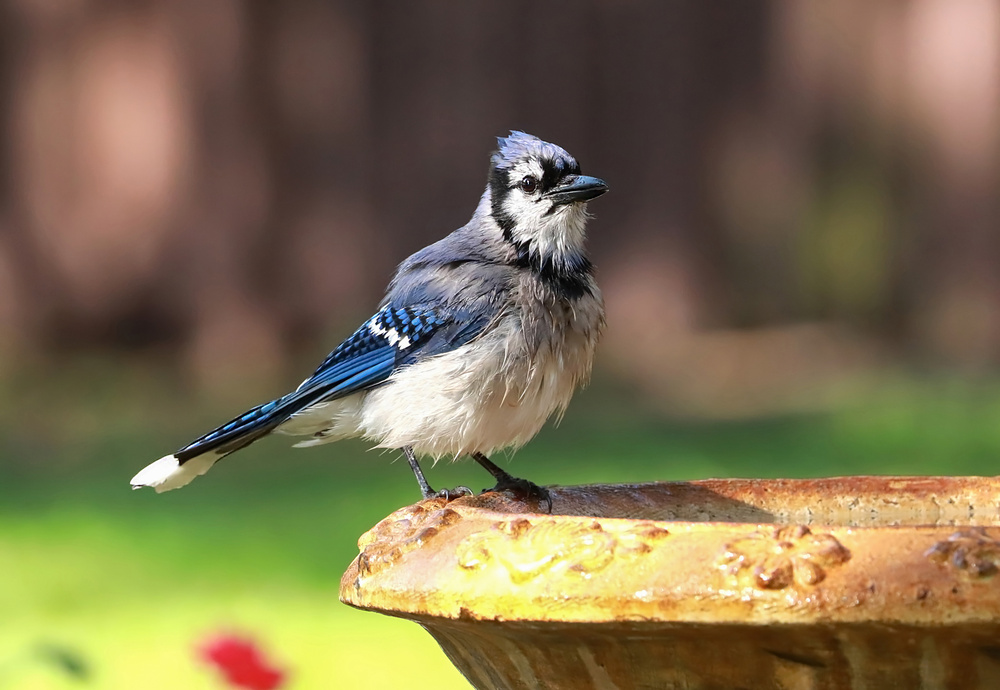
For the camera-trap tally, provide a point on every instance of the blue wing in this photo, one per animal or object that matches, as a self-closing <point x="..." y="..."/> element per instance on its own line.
<point x="394" y="337"/>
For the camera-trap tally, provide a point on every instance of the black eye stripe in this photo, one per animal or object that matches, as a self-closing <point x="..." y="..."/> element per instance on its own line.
<point x="553" y="171"/>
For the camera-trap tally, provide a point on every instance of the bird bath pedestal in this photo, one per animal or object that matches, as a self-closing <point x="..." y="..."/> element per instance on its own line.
<point x="854" y="582"/>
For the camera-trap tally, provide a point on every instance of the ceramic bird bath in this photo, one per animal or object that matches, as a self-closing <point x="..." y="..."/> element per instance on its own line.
<point x="853" y="582"/>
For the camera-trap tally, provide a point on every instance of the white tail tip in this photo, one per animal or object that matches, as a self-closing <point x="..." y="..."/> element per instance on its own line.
<point x="168" y="473"/>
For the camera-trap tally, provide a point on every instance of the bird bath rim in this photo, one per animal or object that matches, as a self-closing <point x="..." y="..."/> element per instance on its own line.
<point x="900" y="550"/>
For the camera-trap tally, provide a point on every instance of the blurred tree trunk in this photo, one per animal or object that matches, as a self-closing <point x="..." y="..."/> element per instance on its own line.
<point x="232" y="182"/>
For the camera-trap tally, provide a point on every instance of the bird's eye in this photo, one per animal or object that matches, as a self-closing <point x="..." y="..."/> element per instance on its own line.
<point x="528" y="184"/>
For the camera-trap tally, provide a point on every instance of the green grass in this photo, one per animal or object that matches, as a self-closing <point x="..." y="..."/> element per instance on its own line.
<point x="133" y="581"/>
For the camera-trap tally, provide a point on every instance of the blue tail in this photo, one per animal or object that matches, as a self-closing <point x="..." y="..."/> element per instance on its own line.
<point x="334" y="382"/>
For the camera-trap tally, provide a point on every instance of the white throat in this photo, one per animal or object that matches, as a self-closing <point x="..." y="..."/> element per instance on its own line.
<point x="556" y="237"/>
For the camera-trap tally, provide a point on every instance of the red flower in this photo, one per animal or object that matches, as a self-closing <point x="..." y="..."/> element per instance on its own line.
<point x="242" y="662"/>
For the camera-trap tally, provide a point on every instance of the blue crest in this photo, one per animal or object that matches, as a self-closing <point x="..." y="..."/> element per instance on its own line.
<point x="521" y="145"/>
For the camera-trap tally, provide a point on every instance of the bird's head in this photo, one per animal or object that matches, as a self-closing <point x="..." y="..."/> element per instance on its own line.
<point x="538" y="198"/>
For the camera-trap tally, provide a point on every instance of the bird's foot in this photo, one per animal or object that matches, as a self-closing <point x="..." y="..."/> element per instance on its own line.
<point x="524" y="489"/>
<point x="521" y="488"/>
<point x="425" y="489"/>
<point x="449" y="494"/>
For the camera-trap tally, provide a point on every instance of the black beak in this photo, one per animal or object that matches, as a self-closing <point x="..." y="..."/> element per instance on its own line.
<point x="577" y="188"/>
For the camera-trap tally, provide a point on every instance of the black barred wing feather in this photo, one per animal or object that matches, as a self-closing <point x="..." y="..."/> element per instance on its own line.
<point x="393" y="329"/>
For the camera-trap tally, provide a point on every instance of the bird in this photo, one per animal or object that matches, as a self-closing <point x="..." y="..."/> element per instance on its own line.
<point x="481" y="337"/>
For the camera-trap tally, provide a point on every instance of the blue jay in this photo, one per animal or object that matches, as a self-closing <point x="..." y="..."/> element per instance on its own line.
<point x="480" y="338"/>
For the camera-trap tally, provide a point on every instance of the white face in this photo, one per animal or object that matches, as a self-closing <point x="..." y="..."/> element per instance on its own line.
<point x="552" y="231"/>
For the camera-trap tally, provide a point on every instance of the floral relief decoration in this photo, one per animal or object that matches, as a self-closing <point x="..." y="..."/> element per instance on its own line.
<point x="778" y="558"/>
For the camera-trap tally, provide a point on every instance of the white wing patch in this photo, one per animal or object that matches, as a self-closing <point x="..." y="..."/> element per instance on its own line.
<point x="390" y="334"/>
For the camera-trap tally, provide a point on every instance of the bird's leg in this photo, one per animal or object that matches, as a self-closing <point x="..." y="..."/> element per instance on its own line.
<point x="425" y="489"/>
<point x="508" y="482"/>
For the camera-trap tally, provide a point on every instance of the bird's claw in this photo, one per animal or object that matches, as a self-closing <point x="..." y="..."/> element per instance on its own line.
<point x="522" y="488"/>
<point x="450" y="494"/>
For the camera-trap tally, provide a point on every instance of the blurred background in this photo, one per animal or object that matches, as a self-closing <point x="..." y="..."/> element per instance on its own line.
<point x="199" y="199"/>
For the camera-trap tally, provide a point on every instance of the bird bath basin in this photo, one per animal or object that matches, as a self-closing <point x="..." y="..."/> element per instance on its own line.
<point x="853" y="582"/>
